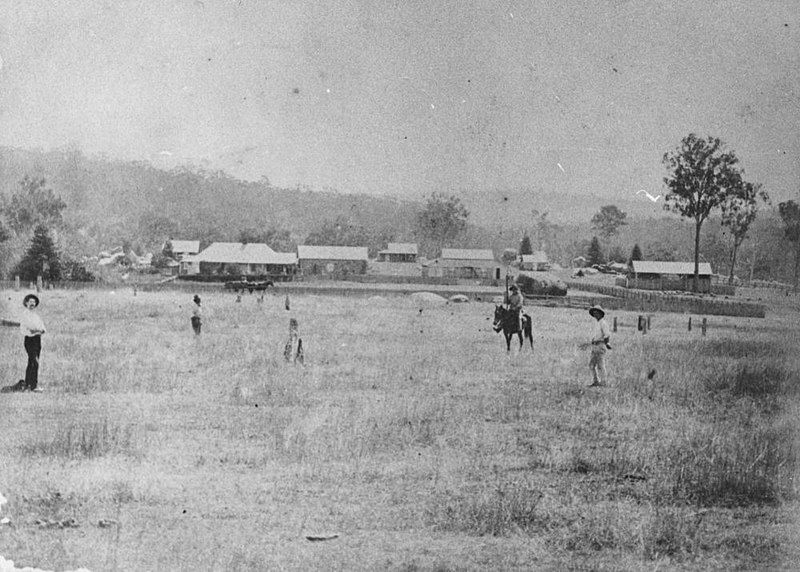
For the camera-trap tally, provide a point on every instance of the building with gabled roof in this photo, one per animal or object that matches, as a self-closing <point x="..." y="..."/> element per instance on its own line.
<point x="332" y="261"/>
<point x="536" y="261"/>
<point x="181" y="248"/>
<point x="668" y="275"/>
<point x="465" y="263"/>
<point x="238" y="259"/>
<point x="399" y="252"/>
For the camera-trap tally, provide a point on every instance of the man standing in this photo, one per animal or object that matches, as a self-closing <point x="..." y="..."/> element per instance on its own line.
<point x="515" y="301"/>
<point x="197" y="321"/>
<point x="32" y="328"/>
<point x="599" y="345"/>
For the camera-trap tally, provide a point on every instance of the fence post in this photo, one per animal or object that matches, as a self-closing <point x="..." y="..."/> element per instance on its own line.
<point x="704" y="326"/>
<point x="615" y="324"/>
<point x="648" y="322"/>
<point x="16" y="283"/>
<point x="639" y="323"/>
<point x="690" y="323"/>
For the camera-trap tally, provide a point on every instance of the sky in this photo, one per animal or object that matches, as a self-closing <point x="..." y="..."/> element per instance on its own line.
<point x="409" y="97"/>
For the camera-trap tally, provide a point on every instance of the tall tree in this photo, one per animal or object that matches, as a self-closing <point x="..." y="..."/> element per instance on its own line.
<point x="738" y="213"/>
<point x="790" y="213"/>
<point x="594" y="254"/>
<point x="525" y="246"/>
<point x="33" y="204"/>
<point x="41" y="259"/>
<point x="701" y="175"/>
<point x="636" y="254"/>
<point x="608" y="221"/>
<point x="443" y="220"/>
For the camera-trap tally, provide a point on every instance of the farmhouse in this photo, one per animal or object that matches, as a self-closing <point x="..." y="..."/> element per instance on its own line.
<point x="237" y="259"/>
<point x="465" y="263"/>
<point x="181" y="248"/>
<point x="334" y="261"/>
<point x="536" y="261"/>
<point x="657" y="275"/>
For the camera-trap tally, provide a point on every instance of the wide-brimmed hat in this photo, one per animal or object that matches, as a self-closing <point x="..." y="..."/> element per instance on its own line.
<point x="33" y="297"/>
<point x="597" y="309"/>
<point x="514" y="287"/>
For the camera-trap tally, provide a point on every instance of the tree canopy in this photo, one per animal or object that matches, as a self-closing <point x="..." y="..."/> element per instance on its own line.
<point x="790" y="214"/>
<point x="32" y="204"/>
<point x="594" y="254"/>
<point x="701" y="177"/>
<point x="738" y="212"/>
<point x="525" y="246"/>
<point x="442" y="221"/>
<point x="608" y="221"/>
<point x="41" y="259"/>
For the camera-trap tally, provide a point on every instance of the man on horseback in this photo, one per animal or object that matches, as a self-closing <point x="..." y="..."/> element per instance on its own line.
<point x="515" y="301"/>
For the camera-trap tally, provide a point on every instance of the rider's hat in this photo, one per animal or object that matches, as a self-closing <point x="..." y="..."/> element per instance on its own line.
<point x="33" y="297"/>
<point x="597" y="309"/>
<point x="514" y="287"/>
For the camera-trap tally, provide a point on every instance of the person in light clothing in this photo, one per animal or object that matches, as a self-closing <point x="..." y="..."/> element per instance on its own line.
<point x="32" y="328"/>
<point x="599" y="344"/>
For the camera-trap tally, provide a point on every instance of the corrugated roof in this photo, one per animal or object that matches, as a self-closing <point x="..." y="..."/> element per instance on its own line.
<point x="660" y="267"/>
<point x="188" y="246"/>
<point x="251" y="253"/>
<point x="400" y="248"/>
<point x="332" y="252"/>
<point x="535" y="258"/>
<point x="466" y="254"/>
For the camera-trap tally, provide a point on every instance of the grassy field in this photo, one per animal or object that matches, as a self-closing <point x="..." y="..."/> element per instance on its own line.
<point x="412" y="436"/>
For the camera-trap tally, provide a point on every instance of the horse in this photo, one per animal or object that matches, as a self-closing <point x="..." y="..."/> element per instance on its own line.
<point x="507" y="321"/>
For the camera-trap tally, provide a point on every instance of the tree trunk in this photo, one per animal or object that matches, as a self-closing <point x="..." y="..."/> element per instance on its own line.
<point x="796" y="265"/>
<point x="733" y="260"/>
<point x="697" y="256"/>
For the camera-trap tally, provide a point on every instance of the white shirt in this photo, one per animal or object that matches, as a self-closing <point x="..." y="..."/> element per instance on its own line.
<point x="30" y="324"/>
<point x="600" y="331"/>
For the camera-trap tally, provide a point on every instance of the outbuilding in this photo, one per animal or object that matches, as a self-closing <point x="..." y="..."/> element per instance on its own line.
<point x="466" y="263"/>
<point x="662" y="275"/>
<point x="332" y="261"/>
<point x="537" y="261"/>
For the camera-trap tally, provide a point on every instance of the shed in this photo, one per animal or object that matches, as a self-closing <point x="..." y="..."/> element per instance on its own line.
<point x="537" y="261"/>
<point x="466" y="263"/>
<point x="181" y="248"/>
<point x="663" y="275"/>
<point x="399" y="252"/>
<point x="336" y="261"/>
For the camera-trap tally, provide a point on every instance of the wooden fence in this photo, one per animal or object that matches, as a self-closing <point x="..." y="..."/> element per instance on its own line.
<point x="653" y="301"/>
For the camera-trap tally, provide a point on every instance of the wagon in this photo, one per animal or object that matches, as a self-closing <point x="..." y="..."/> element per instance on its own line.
<point x="250" y="286"/>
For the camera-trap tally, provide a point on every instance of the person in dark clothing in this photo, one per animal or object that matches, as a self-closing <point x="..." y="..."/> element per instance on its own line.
<point x="197" y="322"/>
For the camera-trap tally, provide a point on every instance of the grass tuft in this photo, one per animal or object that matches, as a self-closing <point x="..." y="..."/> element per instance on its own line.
<point x="85" y="440"/>
<point x="492" y="509"/>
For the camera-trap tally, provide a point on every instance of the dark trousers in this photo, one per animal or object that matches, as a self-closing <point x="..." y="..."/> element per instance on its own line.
<point x="33" y="347"/>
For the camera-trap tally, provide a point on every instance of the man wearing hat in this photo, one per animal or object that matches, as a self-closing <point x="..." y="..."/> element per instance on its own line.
<point x="32" y="328"/>
<point x="515" y="301"/>
<point x="599" y="346"/>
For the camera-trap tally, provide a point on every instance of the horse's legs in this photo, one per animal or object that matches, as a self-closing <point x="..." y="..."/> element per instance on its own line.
<point x="508" y="341"/>
<point x="520" y="339"/>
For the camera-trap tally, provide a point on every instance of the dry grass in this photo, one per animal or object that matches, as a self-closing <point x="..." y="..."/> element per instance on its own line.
<point x="413" y="436"/>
